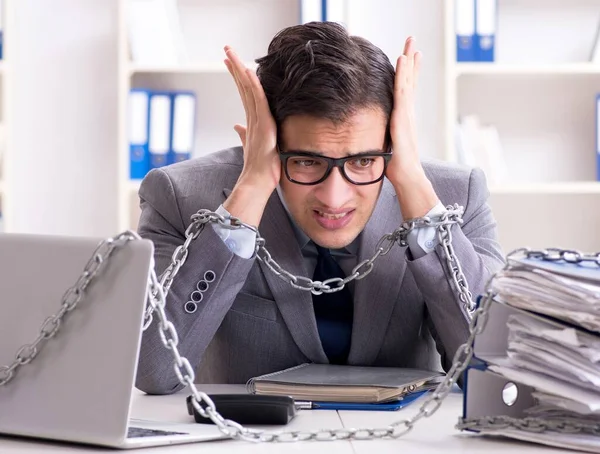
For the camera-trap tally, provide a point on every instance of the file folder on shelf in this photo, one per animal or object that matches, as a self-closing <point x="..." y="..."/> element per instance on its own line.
<point x="138" y="130"/>
<point x="183" y="125"/>
<point x="464" y="23"/>
<point x="485" y="30"/>
<point x="159" y="141"/>
<point x="323" y="10"/>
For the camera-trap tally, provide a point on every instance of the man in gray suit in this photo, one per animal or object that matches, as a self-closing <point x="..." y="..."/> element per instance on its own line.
<point x="329" y="165"/>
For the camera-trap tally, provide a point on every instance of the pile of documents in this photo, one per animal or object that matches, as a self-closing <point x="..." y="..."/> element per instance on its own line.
<point x="542" y="335"/>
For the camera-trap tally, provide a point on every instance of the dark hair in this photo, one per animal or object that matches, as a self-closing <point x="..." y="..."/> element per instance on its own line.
<point x="318" y="69"/>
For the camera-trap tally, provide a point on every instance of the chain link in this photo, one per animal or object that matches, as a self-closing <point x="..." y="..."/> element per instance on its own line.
<point x="72" y="297"/>
<point x="158" y="290"/>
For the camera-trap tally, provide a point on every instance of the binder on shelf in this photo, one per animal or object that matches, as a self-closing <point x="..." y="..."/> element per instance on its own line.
<point x="485" y="30"/>
<point x="138" y="131"/>
<point x="183" y="125"/>
<point x="464" y="25"/>
<point x="313" y="11"/>
<point x="159" y="140"/>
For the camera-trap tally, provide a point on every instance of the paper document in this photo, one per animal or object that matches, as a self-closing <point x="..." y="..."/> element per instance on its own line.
<point x="567" y="292"/>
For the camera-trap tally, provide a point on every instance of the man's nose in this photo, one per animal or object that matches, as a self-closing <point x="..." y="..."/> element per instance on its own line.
<point x="335" y="191"/>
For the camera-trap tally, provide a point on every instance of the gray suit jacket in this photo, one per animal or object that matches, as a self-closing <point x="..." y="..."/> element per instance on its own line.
<point x="250" y="322"/>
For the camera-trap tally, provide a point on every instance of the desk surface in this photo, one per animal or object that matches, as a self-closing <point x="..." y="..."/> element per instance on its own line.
<point x="430" y="435"/>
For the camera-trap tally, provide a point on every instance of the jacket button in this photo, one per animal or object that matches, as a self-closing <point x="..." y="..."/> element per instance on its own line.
<point x="202" y="286"/>
<point x="209" y="276"/>
<point x="196" y="296"/>
<point x="190" y="307"/>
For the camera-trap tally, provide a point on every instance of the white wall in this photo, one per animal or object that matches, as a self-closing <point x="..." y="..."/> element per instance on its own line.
<point x="387" y="23"/>
<point x="65" y="86"/>
<point x="64" y="110"/>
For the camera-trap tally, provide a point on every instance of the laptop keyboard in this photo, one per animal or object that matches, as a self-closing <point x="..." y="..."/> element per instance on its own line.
<point x="138" y="432"/>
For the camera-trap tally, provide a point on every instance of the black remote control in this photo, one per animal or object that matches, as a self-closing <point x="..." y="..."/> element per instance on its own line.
<point x="248" y="409"/>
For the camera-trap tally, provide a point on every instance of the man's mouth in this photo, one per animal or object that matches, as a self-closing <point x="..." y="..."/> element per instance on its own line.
<point x="328" y="215"/>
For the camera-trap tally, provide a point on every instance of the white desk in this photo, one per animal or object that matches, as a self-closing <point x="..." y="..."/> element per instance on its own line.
<point x="430" y="435"/>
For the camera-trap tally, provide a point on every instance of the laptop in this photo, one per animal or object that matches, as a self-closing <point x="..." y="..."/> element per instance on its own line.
<point x="79" y="388"/>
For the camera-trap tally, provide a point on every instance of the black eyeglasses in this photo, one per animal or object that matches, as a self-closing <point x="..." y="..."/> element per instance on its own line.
<point x="310" y="168"/>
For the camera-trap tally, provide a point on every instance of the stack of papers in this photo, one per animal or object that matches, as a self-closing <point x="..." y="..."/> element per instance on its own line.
<point x="553" y="346"/>
<point x="565" y="291"/>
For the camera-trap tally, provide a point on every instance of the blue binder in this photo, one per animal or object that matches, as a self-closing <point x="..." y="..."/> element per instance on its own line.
<point x="485" y="29"/>
<point x="159" y="138"/>
<point x="183" y="125"/>
<point x="483" y="388"/>
<point x="464" y="25"/>
<point x="138" y="132"/>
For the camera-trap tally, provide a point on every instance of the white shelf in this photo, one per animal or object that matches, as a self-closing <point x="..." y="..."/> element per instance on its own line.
<point x="197" y="68"/>
<point x="544" y="112"/>
<point x="525" y="70"/>
<point x="584" y="187"/>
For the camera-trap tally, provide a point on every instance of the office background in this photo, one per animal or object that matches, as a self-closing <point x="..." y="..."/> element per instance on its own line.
<point x="66" y="75"/>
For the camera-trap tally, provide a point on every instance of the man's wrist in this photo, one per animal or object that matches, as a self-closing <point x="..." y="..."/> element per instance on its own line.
<point x="247" y="202"/>
<point x="415" y="193"/>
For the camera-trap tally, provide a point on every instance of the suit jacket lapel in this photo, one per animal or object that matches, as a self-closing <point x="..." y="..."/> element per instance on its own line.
<point x="376" y="294"/>
<point x="295" y="305"/>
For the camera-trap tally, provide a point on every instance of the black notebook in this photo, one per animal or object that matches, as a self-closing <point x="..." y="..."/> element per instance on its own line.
<point x="339" y="383"/>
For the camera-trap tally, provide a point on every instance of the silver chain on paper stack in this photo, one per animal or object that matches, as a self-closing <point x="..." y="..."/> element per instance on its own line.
<point x="158" y="290"/>
<point x="567" y="425"/>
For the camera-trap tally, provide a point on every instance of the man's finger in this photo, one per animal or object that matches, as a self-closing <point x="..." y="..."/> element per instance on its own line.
<point x="241" y="74"/>
<point x="241" y="130"/>
<point x="240" y="90"/>
<point x="417" y="68"/>
<point x="260" y="98"/>
<point x="409" y="51"/>
<point x="400" y="78"/>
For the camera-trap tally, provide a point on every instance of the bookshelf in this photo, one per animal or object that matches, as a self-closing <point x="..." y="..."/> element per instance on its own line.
<point x="540" y="94"/>
<point x="218" y="107"/>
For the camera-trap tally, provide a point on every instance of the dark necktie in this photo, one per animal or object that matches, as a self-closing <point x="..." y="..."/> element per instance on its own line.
<point x="333" y="311"/>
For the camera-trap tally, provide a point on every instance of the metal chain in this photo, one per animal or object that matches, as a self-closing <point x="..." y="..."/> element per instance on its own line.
<point x="185" y="372"/>
<point x="202" y="217"/>
<point x="385" y="244"/>
<point x="569" y="425"/>
<point x="70" y="300"/>
<point x="158" y="290"/>
<point x="566" y="255"/>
